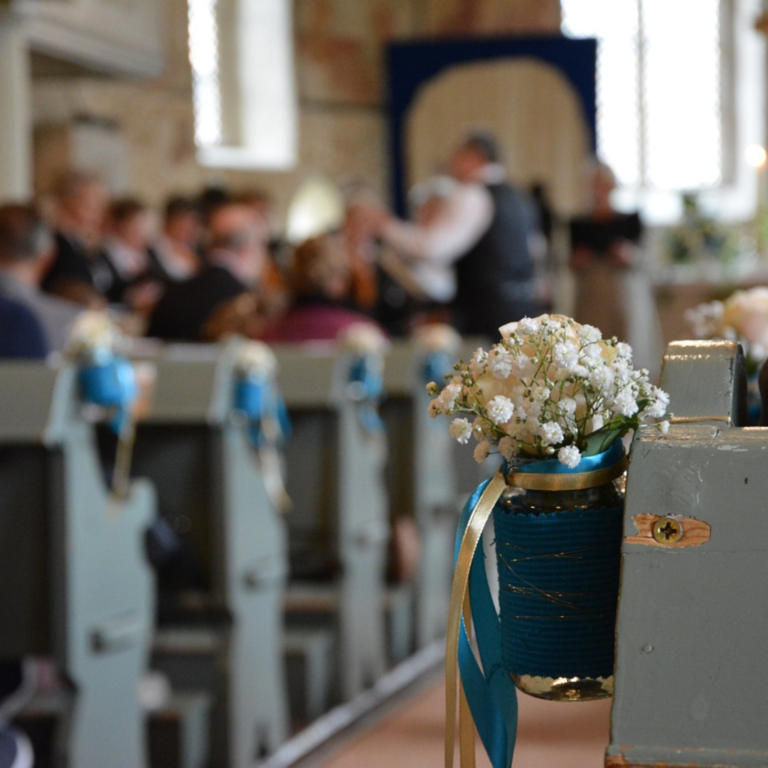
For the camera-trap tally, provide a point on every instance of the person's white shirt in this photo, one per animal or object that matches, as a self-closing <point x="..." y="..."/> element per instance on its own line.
<point x="464" y="218"/>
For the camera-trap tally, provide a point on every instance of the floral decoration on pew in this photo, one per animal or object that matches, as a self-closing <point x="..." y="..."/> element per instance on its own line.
<point x="437" y="337"/>
<point x="366" y="345"/>
<point x="551" y="388"/>
<point x="363" y="339"/>
<point x="258" y="398"/>
<point x="742" y="317"/>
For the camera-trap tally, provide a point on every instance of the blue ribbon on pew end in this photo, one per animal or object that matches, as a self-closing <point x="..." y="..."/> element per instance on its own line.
<point x="437" y="366"/>
<point x="110" y="383"/>
<point x="262" y="403"/>
<point x="367" y="387"/>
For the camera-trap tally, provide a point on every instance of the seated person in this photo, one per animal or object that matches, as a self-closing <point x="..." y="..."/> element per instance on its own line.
<point x="175" y="252"/>
<point x="321" y="281"/>
<point x="221" y="298"/>
<point x="21" y="335"/>
<point x="76" y="273"/>
<point x="26" y="249"/>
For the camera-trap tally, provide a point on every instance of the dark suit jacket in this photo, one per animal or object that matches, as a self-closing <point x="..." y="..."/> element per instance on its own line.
<point x="184" y="308"/>
<point x="21" y="334"/>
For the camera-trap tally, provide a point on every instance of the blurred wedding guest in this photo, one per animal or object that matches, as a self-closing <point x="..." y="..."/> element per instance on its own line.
<point x="321" y="282"/>
<point x="484" y="231"/>
<point x="134" y="278"/>
<point x="613" y="288"/>
<point x="176" y="250"/>
<point x="76" y="272"/>
<point x="21" y="334"/>
<point x="274" y="286"/>
<point x="221" y="298"/>
<point x="26" y="250"/>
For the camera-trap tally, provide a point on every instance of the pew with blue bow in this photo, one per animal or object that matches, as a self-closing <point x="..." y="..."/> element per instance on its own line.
<point x="75" y="583"/>
<point x="338" y="526"/>
<point x="690" y="672"/>
<point x="222" y="627"/>
<point x="421" y="477"/>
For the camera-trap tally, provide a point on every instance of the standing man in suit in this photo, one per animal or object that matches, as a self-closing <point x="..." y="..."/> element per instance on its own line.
<point x="485" y="230"/>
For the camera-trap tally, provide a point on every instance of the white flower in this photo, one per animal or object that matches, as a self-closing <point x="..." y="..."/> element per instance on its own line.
<point x="566" y="354"/>
<point x="567" y="406"/>
<point x="588" y="334"/>
<point x="461" y="430"/>
<point x="551" y="433"/>
<point x="256" y="360"/>
<point x="569" y="455"/>
<point x="624" y="351"/>
<point x="91" y="333"/>
<point x="624" y="404"/>
<point x="507" y="447"/>
<point x="528" y="325"/>
<point x="500" y="363"/>
<point x="658" y="407"/>
<point x="363" y="339"/>
<point x="481" y="451"/>
<point x="539" y="393"/>
<point x="478" y="363"/>
<point x="437" y="337"/>
<point x="663" y="427"/>
<point x="446" y="400"/>
<point x="602" y="378"/>
<point x="500" y="409"/>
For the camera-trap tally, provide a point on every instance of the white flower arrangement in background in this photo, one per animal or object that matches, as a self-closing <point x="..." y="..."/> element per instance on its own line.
<point x="93" y="335"/>
<point x="437" y="337"/>
<point x="742" y="317"/>
<point x="256" y="361"/>
<point x="363" y="339"/>
<point x="551" y="388"/>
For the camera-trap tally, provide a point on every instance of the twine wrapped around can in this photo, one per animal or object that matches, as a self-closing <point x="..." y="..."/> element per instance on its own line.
<point x="549" y="585"/>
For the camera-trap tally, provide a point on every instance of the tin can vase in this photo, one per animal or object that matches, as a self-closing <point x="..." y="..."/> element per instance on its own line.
<point x="558" y="558"/>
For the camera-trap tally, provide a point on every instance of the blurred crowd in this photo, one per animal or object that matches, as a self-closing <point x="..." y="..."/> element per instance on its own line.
<point x="472" y="253"/>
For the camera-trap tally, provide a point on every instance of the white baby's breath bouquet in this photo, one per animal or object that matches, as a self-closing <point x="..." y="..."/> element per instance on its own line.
<point x="92" y="337"/>
<point x="363" y="339"/>
<point x="742" y="317"/>
<point x="551" y="388"/>
<point x="256" y="361"/>
<point x="436" y="337"/>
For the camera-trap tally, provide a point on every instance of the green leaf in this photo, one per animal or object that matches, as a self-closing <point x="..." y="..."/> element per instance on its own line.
<point x="600" y="441"/>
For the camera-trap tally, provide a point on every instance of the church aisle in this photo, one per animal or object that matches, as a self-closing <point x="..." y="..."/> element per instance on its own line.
<point x="551" y="735"/>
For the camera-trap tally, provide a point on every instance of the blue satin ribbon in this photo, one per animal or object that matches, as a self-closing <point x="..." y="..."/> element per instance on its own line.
<point x="587" y="463"/>
<point x="369" y="386"/>
<point x="260" y="398"/>
<point x="490" y="692"/>
<point x="110" y="383"/>
<point x="436" y="367"/>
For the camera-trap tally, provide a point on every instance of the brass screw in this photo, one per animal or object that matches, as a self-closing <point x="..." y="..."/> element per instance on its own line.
<point x="667" y="530"/>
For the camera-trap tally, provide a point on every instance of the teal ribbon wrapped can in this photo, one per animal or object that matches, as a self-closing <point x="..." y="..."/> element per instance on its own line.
<point x="558" y="537"/>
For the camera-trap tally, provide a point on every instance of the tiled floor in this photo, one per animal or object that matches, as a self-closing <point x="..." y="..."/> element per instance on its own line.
<point x="550" y="735"/>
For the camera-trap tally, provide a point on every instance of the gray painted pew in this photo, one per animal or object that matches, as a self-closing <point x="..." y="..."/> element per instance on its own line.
<point x="75" y="584"/>
<point x="421" y="481"/>
<point x="338" y="526"/>
<point x="691" y="671"/>
<point x="228" y="636"/>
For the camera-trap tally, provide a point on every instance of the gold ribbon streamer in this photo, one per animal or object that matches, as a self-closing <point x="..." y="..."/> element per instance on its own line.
<point x="567" y="481"/>
<point x="469" y="542"/>
<point x="459" y="602"/>
<point x="699" y="419"/>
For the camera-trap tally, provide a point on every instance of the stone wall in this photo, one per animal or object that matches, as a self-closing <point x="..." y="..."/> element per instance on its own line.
<point x="339" y="54"/>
